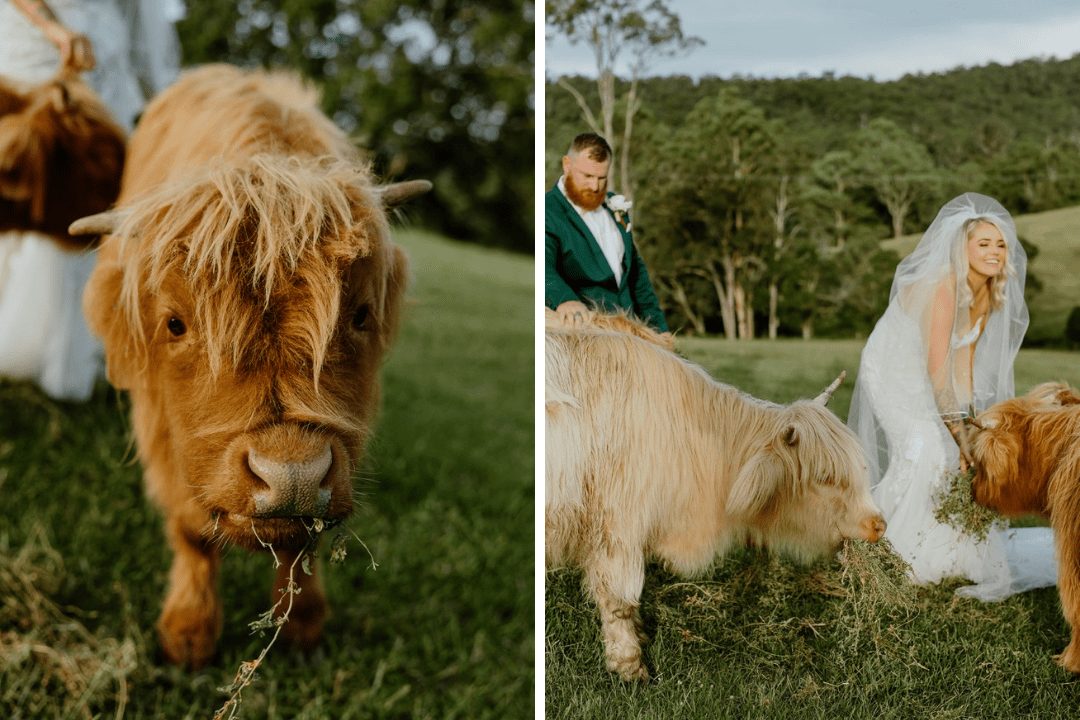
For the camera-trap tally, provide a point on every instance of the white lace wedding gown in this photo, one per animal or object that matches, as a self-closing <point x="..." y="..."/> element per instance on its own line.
<point x="920" y="455"/>
<point x="43" y="336"/>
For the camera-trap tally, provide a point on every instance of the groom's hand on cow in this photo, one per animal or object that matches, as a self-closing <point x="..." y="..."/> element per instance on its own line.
<point x="573" y="313"/>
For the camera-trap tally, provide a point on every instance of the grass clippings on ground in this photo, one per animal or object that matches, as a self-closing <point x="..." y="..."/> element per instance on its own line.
<point x="50" y="664"/>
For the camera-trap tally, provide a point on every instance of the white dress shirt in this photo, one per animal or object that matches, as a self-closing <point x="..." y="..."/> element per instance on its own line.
<point x="603" y="228"/>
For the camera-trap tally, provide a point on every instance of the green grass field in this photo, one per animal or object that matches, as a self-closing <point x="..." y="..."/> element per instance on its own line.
<point x="443" y="628"/>
<point x="758" y="637"/>
<point x="1057" y="266"/>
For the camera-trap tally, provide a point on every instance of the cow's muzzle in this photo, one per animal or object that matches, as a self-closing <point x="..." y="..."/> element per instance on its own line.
<point x="872" y="528"/>
<point x="293" y="488"/>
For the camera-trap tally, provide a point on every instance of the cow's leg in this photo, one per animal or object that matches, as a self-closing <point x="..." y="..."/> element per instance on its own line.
<point x="190" y="622"/>
<point x="1068" y="547"/>
<point x="615" y="580"/>
<point x="308" y="611"/>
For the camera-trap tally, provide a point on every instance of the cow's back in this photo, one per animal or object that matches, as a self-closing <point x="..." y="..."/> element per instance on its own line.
<point x="223" y="112"/>
<point x="632" y="443"/>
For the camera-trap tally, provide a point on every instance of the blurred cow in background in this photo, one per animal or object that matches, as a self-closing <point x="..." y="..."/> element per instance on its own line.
<point x="61" y="157"/>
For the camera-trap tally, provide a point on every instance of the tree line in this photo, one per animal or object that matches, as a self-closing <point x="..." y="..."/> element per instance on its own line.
<point x="761" y="204"/>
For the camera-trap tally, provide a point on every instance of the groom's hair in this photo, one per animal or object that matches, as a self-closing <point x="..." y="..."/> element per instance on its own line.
<point x="592" y="145"/>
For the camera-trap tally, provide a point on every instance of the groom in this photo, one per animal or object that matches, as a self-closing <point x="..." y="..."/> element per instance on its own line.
<point x="591" y="262"/>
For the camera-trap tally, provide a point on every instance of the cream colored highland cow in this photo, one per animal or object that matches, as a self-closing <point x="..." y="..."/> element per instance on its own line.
<point x="649" y="457"/>
<point x="246" y="293"/>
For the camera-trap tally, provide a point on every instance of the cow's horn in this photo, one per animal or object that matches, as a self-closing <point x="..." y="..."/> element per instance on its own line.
<point x="826" y="394"/>
<point x="101" y="224"/>
<point x="972" y="421"/>
<point x="396" y="194"/>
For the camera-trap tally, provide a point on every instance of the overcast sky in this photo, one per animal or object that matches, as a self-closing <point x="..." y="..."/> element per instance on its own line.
<point x="885" y="40"/>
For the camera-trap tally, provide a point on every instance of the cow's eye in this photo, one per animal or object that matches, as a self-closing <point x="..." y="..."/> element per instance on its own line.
<point x="360" y="318"/>
<point x="176" y="326"/>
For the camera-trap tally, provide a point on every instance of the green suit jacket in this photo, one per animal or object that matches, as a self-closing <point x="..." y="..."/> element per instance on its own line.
<point x="575" y="267"/>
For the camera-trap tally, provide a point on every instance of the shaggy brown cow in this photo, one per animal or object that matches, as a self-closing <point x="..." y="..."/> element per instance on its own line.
<point x="1027" y="460"/>
<point x="61" y="156"/>
<point x="647" y="456"/>
<point x="245" y="297"/>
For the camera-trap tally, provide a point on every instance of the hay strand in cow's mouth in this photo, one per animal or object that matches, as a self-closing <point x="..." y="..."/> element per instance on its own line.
<point x="274" y="620"/>
<point x="955" y="506"/>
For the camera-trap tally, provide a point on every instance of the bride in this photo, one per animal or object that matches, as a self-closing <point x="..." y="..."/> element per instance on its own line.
<point x="944" y="349"/>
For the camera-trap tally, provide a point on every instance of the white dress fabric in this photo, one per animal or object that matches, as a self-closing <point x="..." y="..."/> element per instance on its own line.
<point x="897" y="407"/>
<point x="43" y="336"/>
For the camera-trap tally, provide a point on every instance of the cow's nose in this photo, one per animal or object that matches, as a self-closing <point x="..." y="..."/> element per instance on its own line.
<point x="291" y="489"/>
<point x="873" y="528"/>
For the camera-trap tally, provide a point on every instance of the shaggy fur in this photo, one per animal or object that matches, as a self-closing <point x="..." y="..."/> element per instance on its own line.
<point x="647" y="456"/>
<point x="61" y="156"/>
<point x="248" y="225"/>
<point x="618" y="322"/>
<point x="1027" y="460"/>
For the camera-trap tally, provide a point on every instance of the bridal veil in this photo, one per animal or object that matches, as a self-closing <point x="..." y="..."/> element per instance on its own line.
<point x="898" y="406"/>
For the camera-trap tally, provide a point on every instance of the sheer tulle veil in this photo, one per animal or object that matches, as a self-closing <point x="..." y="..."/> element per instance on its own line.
<point x="898" y="406"/>
<point x="940" y="259"/>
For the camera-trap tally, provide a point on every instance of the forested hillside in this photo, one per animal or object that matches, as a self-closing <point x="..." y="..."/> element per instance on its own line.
<point x="761" y="204"/>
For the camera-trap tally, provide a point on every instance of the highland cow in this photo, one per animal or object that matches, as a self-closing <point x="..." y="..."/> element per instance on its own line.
<point x="61" y="157"/>
<point x="649" y="457"/>
<point x="1026" y="453"/>
<point x="246" y="292"/>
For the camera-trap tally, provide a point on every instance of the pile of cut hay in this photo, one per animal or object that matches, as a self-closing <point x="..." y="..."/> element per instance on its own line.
<point x="50" y="664"/>
<point x="877" y="597"/>
<point x="784" y="615"/>
<point x="957" y="507"/>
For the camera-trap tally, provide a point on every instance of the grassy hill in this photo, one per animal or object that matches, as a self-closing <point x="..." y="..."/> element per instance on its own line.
<point x="1057" y="235"/>
<point x="759" y="637"/>
<point x="443" y="628"/>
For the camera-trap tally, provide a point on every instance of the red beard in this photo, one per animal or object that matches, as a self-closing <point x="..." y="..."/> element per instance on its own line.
<point x="585" y="199"/>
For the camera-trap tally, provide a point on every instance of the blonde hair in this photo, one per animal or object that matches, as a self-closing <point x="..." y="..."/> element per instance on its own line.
<point x="997" y="282"/>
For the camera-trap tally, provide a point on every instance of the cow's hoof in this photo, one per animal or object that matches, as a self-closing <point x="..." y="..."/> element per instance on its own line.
<point x="188" y="638"/>
<point x="629" y="669"/>
<point x="1070" y="658"/>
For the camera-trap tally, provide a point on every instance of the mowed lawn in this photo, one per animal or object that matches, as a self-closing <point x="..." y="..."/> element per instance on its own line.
<point x="759" y="637"/>
<point x="443" y="628"/>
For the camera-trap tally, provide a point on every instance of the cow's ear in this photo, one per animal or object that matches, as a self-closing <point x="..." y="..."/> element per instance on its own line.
<point x="107" y="319"/>
<point x="758" y="481"/>
<point x="997" y="455"/>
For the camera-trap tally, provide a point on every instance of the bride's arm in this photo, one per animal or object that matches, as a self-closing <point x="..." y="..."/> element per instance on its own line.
<point x="942" y="316"/>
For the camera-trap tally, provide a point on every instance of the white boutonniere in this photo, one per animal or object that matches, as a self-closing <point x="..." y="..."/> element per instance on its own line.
<point x="620" y="206"/>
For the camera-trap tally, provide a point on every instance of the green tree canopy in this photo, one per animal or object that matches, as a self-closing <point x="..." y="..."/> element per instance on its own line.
<point x="440" y="90"/>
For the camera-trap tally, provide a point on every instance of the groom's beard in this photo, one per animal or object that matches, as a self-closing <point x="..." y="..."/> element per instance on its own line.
<point x="585" y="199"/>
